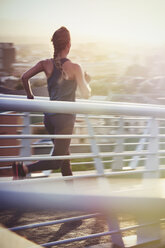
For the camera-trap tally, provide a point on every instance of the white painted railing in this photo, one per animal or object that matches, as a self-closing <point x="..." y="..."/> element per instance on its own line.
<point x="146" y="123"/>
<point x="143" y="118"/>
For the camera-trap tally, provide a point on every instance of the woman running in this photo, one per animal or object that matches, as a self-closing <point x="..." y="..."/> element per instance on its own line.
<point x="63" y="77"/>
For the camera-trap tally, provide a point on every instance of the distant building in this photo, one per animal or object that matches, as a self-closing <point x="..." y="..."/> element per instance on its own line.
<point x="37" y="91"/>
<point x="7" y="58"/>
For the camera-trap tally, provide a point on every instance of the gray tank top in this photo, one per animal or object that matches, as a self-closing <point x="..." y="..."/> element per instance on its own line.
<point x="61" y="89"/>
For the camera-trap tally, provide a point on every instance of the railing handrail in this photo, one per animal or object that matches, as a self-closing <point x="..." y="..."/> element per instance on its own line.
<point x="26" y="105"/>
<point x="90" y="100"/>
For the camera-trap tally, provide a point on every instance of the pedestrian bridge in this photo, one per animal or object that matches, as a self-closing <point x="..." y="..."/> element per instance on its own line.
<point x="123" y="142"/>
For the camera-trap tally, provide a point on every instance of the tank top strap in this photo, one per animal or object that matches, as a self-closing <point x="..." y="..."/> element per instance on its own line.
<point x="63" y="60"/>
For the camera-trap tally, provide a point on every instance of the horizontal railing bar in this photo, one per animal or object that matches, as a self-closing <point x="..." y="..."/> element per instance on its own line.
<point x="86" y="163"/>
<point x="65" y="241"/>
<point x="59" y="136"/>
<point x="129" y="153"/>
<point x="161" y="152"/>
<point x="36" y="125"/>
<point x="15" y="114"/>
<point x="82" y="163"/>
<point x="5" y="168"/>
<point x="96" y="235"/>
<point x="55" y="222"/>
<point x="103" y="117"/>
<point x="104" y="162"/>
<point x="36" y="136"/>
<point x="78" y="126"/>
<point x="33" y="158"/>
<point x="101" y="126"/>
<point x="129" y="172"/>
<point x="10" y="147"/>
<point x="82" y="116"/>
<point x="135" y="127"/>
<point x="36" y="115"/>
<point x="114" y="154"/>
<point x="125" y="118"/>
<point x="87" y="155"/>
<point x="25" y="105"/>
<point x="8" y="96"/>
<point x="87" y="144"/>
<point x="105" y="126"/>
<point x="133" y="144"/>
<point x="161" y="136"/>
<point x="10" y="125"/>
<point x="160" y="119"/>
<point x="40" y="146"/>
<point x="93" y="117"/>
<point x="72" y="145"/>
<point x="138" y="118"/>
<point x="92" y="162"/>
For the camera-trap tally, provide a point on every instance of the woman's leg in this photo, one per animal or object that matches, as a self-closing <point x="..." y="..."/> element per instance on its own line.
<point x="62" y="148"/>
<point x="64" y="125"/>
<point x="45" y="164"/>
<point x="57" y="124"/>
<point x="66" y="168"/>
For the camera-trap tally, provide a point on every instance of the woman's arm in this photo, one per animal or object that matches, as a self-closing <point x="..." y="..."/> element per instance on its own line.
<point x="27" y="75"/>
<point x="82" y="81"/>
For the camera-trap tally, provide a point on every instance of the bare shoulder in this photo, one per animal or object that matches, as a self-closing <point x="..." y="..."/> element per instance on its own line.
<point x="71" y="69"/>
<point x="46" y="62"/>
<point x="77" y="67"/>
<point x="47" y="66"/>
<point x="69" y="65"/>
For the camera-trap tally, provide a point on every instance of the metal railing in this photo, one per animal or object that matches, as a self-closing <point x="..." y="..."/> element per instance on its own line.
<point x="114" y="142"/>
<point x="133" y="133"/>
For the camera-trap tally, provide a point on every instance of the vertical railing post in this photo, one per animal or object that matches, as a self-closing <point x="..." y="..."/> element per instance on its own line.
<point x="113" y="224"/>
<point x="95" y="149"/>
<point x="118" y="161"/>
<point x="135" y="160"/>
<point x="152" y="161"/>
<point x="25" y="150"/>
<point x="150" y="233"/>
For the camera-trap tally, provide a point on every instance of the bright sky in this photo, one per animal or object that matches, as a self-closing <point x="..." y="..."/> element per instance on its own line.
<point x="89" y="20"/>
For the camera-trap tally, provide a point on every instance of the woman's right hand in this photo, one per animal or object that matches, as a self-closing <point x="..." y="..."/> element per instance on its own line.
<point x="87" y="77"/>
